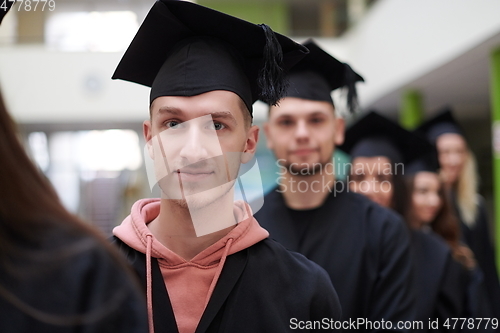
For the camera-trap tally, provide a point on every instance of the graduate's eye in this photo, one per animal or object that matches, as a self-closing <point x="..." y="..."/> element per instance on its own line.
<point x="216" y="126"/>
<point x="421" y="190"/>
<point x="383" y="178"/>
<point x="317" y="120"/>
<point x="173" y="124"/>
<point x="357" y="177"/>
<point x="457" y="151"/>
<point x="285" y="122"/>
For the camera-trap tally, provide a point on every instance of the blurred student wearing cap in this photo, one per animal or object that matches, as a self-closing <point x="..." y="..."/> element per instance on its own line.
<point x="430" y="211"/>
<point x="380" y="150"/>
<point x="205" y="262"/>
<point x="383" y="154"/>
<point x="363" y="247"/>
<point x="459" y="174"/>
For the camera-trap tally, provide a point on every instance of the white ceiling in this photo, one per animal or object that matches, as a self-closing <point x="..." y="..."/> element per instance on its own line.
<point x="462" y="83"/>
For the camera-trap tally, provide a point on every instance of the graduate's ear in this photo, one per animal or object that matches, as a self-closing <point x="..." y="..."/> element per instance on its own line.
<point x="339" y="131"/>
<point x="269" y="142"/>
<point x="146" y="131"/>
<point x="250" y="144"/>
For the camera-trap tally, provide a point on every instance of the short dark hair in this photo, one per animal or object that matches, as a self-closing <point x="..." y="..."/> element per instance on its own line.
<point x="271" y="106"/>
<point x="247" y="117"/>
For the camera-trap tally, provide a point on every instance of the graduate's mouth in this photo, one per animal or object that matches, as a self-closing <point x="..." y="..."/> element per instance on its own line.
<point x="194" y="175"/>
<point x="429" y="213"/>
<point x="304" y="151"/>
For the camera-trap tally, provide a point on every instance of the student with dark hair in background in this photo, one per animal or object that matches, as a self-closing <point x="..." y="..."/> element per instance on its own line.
<point x="429" y="207"/>
<point x="459" y="174"/>
<point x="382" y="152"/>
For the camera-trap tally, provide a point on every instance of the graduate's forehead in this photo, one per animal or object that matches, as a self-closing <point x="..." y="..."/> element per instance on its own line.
<point x="366" y="163"/>
<point x="299" y="107"/>
<point x="450" y="141"/>
<point x="426" y="179"/>
<point x="219" y="104"/>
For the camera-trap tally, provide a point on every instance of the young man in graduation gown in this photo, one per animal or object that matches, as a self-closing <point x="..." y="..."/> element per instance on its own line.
<point x="206" y="264"/>
<point x="363" y="247"/>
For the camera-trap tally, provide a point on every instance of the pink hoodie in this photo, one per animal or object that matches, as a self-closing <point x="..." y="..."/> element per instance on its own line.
<point x="189" y="283"/>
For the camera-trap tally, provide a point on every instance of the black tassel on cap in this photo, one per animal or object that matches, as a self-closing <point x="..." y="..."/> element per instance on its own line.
<point x="351" y="78"/>
<point x="272" y="76"/>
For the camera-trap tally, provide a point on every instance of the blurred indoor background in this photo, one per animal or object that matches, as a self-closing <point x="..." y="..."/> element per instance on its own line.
<point x="84" y="130"/>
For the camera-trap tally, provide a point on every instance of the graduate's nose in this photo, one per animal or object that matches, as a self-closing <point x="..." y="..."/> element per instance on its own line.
<point x="454" y="159"/>
<point x="373" y="189"/>
<point x="369" y="187"/>
<point x="194" y="147"/>
<point x="302" y="131"/>
<point x="434" y="200"/>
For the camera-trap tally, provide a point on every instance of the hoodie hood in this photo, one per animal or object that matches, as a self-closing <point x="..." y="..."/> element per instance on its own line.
<point x="133" y="231"/>
<point x="198" y="275"/>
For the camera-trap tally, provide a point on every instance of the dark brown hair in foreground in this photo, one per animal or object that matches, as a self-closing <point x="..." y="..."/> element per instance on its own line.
<point x="37" y="234"/>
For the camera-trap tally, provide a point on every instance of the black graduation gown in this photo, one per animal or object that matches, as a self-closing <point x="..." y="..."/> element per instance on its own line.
<point x="70" y="277"/>
<point x="440" y="281"/>
<point x="364" y="248"/>
<point x="260" y="289"/>
<point x="478" y="238"/>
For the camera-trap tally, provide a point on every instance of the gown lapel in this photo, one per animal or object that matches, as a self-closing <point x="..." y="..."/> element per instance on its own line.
<point x="163" y="314"/>
<point x="233" y="268"/>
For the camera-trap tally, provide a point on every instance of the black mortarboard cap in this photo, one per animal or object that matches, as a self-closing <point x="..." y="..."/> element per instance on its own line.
<point x="375" y="135"/>
<point x="428" y="162"/>
<point x="184" y="49"/>
<point x="318" y="74"/>
<point x="441" y="124"/>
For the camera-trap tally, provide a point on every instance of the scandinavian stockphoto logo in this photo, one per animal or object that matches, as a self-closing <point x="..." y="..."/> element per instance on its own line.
<point x="361" y="177"/>
<point x="187" y="164"/>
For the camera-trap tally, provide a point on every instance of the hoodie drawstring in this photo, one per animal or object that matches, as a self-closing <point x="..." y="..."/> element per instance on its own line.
<point x="149" y="288"/>
<point x="219" y="270"/>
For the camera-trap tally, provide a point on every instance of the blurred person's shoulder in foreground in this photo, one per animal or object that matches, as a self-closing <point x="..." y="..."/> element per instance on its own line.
<point x="57" y="274"/>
